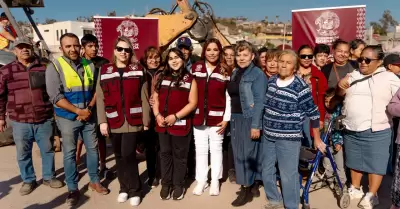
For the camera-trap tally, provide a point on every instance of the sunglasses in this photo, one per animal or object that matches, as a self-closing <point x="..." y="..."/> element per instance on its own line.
<point x="120" y="49"/>
<point x="306" y="56"/>
<point x="366" y="59"/>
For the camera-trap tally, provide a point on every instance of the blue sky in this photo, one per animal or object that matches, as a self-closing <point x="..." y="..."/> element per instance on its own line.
<point x="253" y="9"/>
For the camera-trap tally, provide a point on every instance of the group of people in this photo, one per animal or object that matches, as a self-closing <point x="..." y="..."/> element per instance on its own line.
<point x="257" y="106"/>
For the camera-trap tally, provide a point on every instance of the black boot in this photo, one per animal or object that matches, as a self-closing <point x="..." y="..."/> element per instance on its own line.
<point x="244" y="197"/>
<point x="255" y="188"/>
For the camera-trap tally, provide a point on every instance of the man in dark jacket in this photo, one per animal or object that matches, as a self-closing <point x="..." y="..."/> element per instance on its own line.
<point x="185" y="45"/>
<point x="23" y="96"/>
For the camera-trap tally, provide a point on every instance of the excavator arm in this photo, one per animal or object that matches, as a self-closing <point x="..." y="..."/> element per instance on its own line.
<point x="197" y="21"/>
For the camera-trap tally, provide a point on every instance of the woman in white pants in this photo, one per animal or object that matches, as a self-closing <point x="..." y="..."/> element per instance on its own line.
<point x="212" y="115"/>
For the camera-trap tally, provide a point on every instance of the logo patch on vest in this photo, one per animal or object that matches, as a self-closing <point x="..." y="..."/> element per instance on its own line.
<point x="109" y="69"/>
<point x="186" y="77"/>
<point x="133" y="67"/>
<point x="198" y="68"/>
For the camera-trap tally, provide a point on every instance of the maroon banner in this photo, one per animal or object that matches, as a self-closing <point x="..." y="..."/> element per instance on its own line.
<point x="142" y="32"/>
<point x="325" y="25"/>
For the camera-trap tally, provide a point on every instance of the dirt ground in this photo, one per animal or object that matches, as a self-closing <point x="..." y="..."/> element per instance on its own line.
<point x="45" y="198"/>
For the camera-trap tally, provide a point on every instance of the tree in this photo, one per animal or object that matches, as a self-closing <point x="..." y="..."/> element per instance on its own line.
<point x="378" y="29"/>
<point x="49" y="21"/>
<point x="269" y="45"/>
<point x="112" y="14"/>
<point x="387" y="21"/>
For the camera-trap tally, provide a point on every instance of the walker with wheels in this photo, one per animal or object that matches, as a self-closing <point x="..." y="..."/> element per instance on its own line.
<point x="310" y="160"/>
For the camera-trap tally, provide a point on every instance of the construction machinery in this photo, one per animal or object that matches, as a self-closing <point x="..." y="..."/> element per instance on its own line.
<point x="26" y="5"/>
<point x="197" y="20"/>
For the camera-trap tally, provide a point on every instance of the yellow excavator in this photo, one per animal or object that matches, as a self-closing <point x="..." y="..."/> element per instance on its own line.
<point x="197" y="20"/>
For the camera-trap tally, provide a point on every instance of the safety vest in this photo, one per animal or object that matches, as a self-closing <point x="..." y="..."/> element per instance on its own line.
<point x="172" y="99"/>
<point x="211" y="95"/>
<point x="78" y="93"/>
<point x="122" y="94"/>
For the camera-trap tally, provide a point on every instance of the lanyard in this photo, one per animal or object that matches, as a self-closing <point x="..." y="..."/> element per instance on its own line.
<point x="337" y="75"/>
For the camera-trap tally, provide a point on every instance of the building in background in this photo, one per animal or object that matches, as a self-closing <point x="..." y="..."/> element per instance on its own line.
<point x="52" y="32"/>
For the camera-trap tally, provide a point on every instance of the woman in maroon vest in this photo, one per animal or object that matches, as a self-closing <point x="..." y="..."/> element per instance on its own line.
<point x="122" y="106"/>
<point x="175" y="98"/>
<point x="211" y="116"/>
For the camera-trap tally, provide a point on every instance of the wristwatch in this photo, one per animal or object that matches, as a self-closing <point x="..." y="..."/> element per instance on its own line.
<point x="89" y="108"/>
<point x="176" y="117"/>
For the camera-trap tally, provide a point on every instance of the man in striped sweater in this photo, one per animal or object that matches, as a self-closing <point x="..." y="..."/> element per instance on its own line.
<point x="288" y="101"/>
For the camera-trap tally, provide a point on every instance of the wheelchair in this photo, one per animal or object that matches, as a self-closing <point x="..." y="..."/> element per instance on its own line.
<point x="310" y="160"/>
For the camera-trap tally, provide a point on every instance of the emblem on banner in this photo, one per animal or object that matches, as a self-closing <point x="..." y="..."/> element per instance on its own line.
<point x="327" y="24"/>
<point x="129" y="29"/>
<point x="327" y="27"/>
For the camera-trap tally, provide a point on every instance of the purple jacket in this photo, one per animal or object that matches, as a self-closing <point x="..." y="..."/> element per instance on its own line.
<point x="394" y="110"/>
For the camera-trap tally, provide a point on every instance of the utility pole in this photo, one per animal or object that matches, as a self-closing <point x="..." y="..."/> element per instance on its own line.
<point x="284" y="37"/>
<point x="371" y="34"/>
<point x="28" y="11"/>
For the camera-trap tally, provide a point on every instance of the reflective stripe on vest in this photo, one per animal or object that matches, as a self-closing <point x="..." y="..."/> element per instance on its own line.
<point x="75" y="92"/>
<point x="211" y="95"/>
<point x="172" y="99"/>
<point x="122" y="94"/>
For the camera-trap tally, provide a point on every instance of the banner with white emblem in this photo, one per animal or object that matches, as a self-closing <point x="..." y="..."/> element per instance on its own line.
<point x="142" y="32"/>
<point x="325" y="25"/>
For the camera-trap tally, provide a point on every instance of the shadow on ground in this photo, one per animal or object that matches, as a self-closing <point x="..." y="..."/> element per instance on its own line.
<point x="5" y="186"/>
<point x="60" y="200"/>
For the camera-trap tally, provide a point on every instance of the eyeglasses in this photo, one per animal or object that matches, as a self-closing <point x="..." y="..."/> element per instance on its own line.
<point x="306" y="56"/>
<point x="120" y="49"/>
<point x="366" y="59"/>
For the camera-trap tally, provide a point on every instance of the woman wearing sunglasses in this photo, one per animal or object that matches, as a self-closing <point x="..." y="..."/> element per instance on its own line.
<point x="368" y="133"/>
<point x="175" y="99"/>
<point x="123" y="108"/>
<point x="318" y="85"/>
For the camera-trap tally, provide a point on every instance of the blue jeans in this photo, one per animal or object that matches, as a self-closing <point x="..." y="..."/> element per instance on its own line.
<point x="286" y="153"/>
<point x="24" y="134"/>
<point x="70" y="131"/>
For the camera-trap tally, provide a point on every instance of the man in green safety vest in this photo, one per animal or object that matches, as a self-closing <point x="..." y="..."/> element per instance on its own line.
<point x="70" y="85"/>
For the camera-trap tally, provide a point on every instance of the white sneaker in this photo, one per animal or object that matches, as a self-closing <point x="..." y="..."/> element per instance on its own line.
<point x="214" y="188"/>
<point x="200" y="187"/>
<point x="122" y="197"/>
<point x="355" y="193"/>
<point x="369" y="201"/>
<point x="134" y="201"/>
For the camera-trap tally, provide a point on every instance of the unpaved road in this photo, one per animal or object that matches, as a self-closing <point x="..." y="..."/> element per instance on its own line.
<point x="45" y="198"/>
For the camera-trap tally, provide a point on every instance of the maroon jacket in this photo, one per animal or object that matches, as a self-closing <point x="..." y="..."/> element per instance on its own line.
<point x="172" y="99"/>
<point x="23" y="93"/>
<point x="211" y="94"/>
<point x="122" y="99"/>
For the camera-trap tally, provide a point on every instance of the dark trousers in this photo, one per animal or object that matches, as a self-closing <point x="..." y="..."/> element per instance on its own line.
<point x="191" y="164"/>
<point x="227" y="155"/>
<point x="124" y="146"/>
<point x="173" y="153"/>
<point x="152" y="145"/>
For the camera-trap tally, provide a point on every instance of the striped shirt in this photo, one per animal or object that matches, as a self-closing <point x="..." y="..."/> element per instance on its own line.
<point x="285" y="109"/>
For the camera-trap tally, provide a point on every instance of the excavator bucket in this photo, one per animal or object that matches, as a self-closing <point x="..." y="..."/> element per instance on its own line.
<point x="196" y="20"/>
<point x="205" y="26"/>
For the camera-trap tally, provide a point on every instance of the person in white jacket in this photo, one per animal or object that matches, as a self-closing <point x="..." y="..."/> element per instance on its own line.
<point x="368" y="133"/>
<point x="212" y="115"/>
